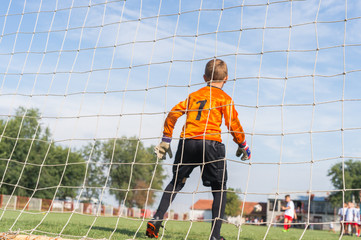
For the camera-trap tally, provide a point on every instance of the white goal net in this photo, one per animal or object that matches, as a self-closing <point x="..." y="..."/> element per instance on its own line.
<point x="85" y="87"/>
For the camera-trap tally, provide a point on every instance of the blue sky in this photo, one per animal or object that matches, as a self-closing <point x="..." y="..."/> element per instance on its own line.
<point x="289" y="98"/>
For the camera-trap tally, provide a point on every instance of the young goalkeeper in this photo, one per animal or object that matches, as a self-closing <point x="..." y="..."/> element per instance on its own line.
<point x="201" y="144"/>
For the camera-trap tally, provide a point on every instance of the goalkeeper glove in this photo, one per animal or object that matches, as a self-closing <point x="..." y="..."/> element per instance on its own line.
<point x="163" y="148"/>
<point x="243" y="149"/>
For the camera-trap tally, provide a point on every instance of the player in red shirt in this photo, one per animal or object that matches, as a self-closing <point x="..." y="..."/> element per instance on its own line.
<point x="201" y="144"/>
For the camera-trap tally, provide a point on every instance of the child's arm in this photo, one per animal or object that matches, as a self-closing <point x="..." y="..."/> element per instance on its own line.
<point x="176" y="112"/>
<point x="164" y="147"/>
<point x="232" y="122"/>
<point x="236" y="129"/>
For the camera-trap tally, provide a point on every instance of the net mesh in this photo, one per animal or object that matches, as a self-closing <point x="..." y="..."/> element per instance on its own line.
<point x="98" y="74"/>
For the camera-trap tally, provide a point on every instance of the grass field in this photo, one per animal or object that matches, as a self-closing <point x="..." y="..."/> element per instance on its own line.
<point x="104" y="226"/>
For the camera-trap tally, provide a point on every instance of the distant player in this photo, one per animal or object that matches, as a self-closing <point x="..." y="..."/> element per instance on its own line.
<point x="357" y="220"/>
<point x="201" y="144"/>
<point x="332" y="228"/>
<point x="290" y="213"/>
<point x="349" y="219"/>
<point x="342" y="214"/>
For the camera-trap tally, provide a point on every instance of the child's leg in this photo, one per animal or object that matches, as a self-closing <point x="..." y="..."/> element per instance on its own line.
<point x="287" y="222"/>
<point x="214" y="173"/>
<point x="180" y="174"/>
<point x="167" y="198"/>
<point x="285" y="225"/>
<point x="356" y="228"/>
<point x="342" y="230"/>
<point x="218" y="207"/>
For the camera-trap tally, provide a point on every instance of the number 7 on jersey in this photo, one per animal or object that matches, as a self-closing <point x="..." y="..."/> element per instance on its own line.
<point x="200" y="109"/>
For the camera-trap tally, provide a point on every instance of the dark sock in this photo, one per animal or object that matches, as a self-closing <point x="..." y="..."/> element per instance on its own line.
<point x="167" y="198"/>
<point x="218" y="208"/>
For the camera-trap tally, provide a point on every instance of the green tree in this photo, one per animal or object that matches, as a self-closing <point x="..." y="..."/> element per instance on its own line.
<point x="29" y="161"/>
<point x="95" y="170"/>
<point x="352" y="173"/>
<point x="132" y="168"/>
<point x="233" y="205"/>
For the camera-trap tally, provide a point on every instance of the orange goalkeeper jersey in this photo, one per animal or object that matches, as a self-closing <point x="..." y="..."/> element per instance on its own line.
<point x="205" y="109"/>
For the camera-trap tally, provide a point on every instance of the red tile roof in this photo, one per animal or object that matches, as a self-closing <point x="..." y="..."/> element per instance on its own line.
<point x="203" y="204"/>
<point x="249" y="207"/>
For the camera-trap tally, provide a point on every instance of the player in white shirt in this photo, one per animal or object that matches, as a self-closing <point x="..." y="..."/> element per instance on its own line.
<point x="290" y="213"/>
<point x="350" y="219"/>
<point x="342" y="214"/>
<point x="357" y="219"/>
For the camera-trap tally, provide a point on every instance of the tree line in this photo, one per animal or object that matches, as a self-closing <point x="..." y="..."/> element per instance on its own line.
<point x="346" y="175"/>
<point x="31" y="164"/>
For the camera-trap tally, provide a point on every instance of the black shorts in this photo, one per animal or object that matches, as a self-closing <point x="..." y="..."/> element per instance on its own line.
<point x="208" y="154"/>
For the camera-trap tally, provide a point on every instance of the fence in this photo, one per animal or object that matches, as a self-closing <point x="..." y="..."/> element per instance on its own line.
<point x="36" y="204"/>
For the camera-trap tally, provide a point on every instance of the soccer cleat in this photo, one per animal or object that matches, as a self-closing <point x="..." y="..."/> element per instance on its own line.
<point x="153" y="228"/>
<point x="284" y="230"/>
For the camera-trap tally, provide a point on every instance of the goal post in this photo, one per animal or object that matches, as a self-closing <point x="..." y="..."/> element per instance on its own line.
<point x="85" y="87"/>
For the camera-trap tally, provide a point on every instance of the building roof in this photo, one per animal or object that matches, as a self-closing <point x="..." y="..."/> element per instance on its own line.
<point x="202" y="204"/>
<point x="304" y="198"/>
<point x="252" y="207"/>
<point x="316" y="199"/>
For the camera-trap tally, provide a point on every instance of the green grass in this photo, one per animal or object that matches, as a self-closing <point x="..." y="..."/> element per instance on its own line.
<point x="104" y="226"/>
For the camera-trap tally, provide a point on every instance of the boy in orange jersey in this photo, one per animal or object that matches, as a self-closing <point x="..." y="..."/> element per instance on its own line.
<point x="201" y="144"/>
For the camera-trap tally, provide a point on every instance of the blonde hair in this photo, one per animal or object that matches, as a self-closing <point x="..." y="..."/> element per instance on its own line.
<point x="216" y="70"/>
